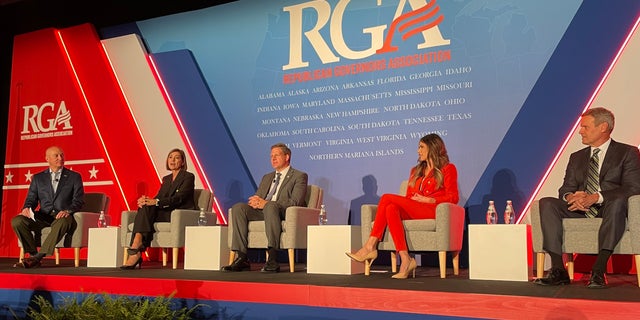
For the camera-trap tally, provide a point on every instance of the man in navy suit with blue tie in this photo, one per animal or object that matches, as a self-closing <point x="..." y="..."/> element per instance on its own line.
<point x="59" y="193"/>
<point x="598" y="182"/>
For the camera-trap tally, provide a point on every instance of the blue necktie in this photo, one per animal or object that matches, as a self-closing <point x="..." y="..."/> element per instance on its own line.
<point x="274" y="187"/>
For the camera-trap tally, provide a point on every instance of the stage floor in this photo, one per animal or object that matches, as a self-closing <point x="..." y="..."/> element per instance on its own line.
<point x="622" y="288"/>
<point x="377" y="295"/>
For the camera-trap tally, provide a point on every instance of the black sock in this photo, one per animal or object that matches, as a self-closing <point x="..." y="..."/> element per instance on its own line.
<point x="241" y="255"/>
<point x="601" y="261"/>
<point x="556" y="260"/>
<point x="273" y="254"/>
<point x="39" y="255"/>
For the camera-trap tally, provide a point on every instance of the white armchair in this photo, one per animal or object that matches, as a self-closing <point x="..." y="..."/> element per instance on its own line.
<point x="442" y="234"/>
<point x="86" y="217"/>
<point x="294" y="227"/>
<point x="171" y="234"/>
<point x="581" y="236"/>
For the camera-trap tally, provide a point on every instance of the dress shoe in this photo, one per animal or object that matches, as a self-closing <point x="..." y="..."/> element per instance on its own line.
<point x="411" y="268"/>
<point x="240" y="264"/>
<point x="271" y="266"/>
<point x="556" y="277"/>
<point x="29" y="263"/>
<point x="597" y="281"/>
<point x="367" y="258"/>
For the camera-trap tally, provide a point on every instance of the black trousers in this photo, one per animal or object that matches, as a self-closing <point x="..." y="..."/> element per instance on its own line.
<point x="144" y="220"/>
<point x="552" y="210"/>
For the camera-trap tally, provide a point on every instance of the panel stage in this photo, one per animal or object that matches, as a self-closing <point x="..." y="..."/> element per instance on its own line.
<point x="426" y="295"/>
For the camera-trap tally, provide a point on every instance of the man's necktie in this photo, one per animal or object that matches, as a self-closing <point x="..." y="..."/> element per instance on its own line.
<point x="55" y="178"/>
<point x="592" y="181"/>
<point x="274" y="187"/>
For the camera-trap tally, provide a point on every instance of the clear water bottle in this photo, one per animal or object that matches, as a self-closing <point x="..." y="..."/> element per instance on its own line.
<point x="202" y="220"/>
<point x="322" y="218"/>
<point x="508" y="213"/>
<point x="102" y="221"/>
<point x="492" y="215"/>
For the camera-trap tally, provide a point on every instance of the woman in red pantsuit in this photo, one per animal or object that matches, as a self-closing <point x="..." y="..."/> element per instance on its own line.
<point x="433" y="180"/>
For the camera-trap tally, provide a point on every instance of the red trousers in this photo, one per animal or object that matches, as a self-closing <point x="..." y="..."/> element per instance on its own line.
<point x="392" y="210"/>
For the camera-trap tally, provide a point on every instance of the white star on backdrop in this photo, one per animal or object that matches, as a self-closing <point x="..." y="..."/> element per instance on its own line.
<point x="28" y="175"/>
<point x="9" y="177"/>
<point x="93" y="173"/>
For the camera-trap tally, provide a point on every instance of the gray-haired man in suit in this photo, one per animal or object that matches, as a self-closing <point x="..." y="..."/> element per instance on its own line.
<point x="277" y="191"/>
<point x="60" y="193"/>
<point x="598" y="181"/>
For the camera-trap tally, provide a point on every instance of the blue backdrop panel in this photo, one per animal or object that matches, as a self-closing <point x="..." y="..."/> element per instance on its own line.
<point x="206" y="127"/>
<point x="559" y="97"/>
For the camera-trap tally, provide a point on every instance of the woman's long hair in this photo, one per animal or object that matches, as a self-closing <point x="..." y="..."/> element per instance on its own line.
<point x="438" y="157"/>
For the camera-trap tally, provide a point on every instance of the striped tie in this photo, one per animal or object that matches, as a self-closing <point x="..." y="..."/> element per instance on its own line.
<point x="592" y="181"/>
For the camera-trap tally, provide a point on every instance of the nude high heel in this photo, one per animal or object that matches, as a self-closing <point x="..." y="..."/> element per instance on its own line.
<point x="412" y="268"/>
<point x="368" y="258"/>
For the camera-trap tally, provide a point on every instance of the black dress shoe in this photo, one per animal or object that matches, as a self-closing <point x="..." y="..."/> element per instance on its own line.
<point x="240" y="264"/>
<point x="556" y="277"/>
<point x="29" y="263"/>
<point x="271" y="266"/>
<point x="597" y="281"/>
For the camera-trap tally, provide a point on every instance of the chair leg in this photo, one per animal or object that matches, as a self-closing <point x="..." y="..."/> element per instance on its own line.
<point x="56" y="253"/>
<point x="125" y="257"/>
<point x="174" y="256"/>
<point x="232" y="256"/>
<point x="637" y="256"/>
<point x="76" y="257"/>
<point x="292" y="260"/>
<point x="21" y="257"/>
<point x="394" y="262"/>
<point x="442" y="260"/>
<point x="540" y="265"/>
<point x="456" y="262"/>
<point x="164" y="257"/>
<point x="570" y="265"/>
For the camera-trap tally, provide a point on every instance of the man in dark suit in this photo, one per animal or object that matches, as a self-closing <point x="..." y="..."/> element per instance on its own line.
<point x="614" y="169"/>
<point x="59" y="193"/>
<point x="277" y="191"/>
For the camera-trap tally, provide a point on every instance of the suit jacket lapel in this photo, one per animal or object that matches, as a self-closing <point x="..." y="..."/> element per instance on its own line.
<point x="175" y="183"/>
<point x="609" y="159"/>
<point x="285" y="180"/>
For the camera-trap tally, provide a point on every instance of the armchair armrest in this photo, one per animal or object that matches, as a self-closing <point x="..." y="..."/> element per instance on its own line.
<point x="536" y="228"/>
<point x="450" y="219"/>
<point x="126" y="218"/>
<point x="633" y="219"/>
<point x="180" y="219"/>
<point x="298" y="219"/>
<point x="367" y="216"/>
<point x="84" y="221"/>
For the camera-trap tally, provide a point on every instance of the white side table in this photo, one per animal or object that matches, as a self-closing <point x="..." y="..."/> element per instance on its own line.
<point x="326" y="247"/>
<point x="500" y="252"/>
<point x="205" y="248"/>
<point x="105" y="248"/>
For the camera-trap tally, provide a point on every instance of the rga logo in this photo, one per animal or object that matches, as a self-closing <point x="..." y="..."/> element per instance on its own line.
<point x="422" y="20"/>
<point x="45" y="121"/>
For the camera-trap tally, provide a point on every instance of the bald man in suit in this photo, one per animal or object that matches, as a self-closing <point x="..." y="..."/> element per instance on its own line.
<point x="277" y="191"/>
<point x="618" y="177"/>
<point x="59" y="193"/>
